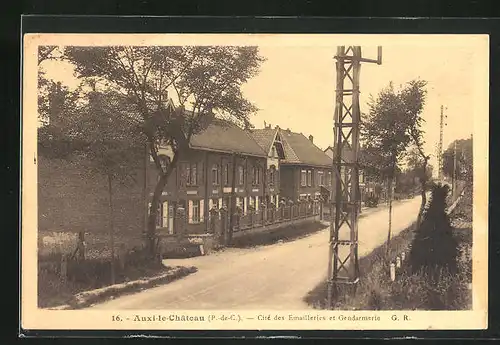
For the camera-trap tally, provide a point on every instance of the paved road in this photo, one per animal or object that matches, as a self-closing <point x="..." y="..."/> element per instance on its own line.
<point x="276" y="277"/>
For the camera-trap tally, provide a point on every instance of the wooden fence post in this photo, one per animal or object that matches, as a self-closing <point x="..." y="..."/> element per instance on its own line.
<point x="393" y="271"/>
<point x="64" y="269"/>
<point x="398" y="262"/>
<point x="81" y="245"/>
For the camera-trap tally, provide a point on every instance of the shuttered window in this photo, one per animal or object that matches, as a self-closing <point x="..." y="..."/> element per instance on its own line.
<point x="303" y="178"/>
<point x="196" y="211"/>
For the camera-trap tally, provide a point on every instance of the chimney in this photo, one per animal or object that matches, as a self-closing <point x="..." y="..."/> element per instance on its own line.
<point x="311" y="138"/>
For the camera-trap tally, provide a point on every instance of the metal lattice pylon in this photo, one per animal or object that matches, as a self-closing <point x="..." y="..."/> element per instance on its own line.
<point x="343" y="265"/>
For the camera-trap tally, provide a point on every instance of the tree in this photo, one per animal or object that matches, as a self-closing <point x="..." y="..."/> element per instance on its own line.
<point x="206" y="80"/>
<point x="463" y="161"/>
<point x="413" y="99"/>
<point x="434" y="247"/>
<point x="386" y="137"/>
<point x="111" y="146"/>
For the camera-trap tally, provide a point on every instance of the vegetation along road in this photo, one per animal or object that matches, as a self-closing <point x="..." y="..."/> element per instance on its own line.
<point x="275" y="277"/>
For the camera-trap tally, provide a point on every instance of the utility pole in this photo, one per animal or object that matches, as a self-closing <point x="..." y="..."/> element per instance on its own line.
<point x="343" y="267"/>
<point x="232" y="203"/>
<point x="440" y="145"/>
<point x="454" y="175"/>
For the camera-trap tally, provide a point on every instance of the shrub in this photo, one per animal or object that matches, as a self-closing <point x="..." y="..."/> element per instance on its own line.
<point x="434" y="247"/>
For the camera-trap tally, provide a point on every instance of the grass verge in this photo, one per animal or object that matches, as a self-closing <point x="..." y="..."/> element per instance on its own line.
<point x="376" y="291"/>
<point x="54" y="293"/>
<point x="284" y="234"/>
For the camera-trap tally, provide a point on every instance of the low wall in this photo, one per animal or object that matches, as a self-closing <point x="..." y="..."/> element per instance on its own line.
<point x="172" y="243"/>
<point x="275" y="226"/>
<point x="96" y="244"/>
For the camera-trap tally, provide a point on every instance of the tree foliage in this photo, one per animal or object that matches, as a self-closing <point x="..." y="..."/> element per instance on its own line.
<point x="206" y="81"/>
<point x="463" y="159"/>
<point x="385" y="132"/>
<point x="392" y="124"/>
<point x="434" y="247"/>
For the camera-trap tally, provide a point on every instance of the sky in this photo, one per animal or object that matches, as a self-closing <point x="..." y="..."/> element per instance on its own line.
<point x="307" y="92"/>
<point x="295" y="87"/>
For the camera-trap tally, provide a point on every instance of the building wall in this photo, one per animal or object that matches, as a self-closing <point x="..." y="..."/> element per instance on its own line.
<point x="71" y="198"/>
<point x="288" y="187"/>
<point x="214" y="180"/>
<point x="291" y="181"/>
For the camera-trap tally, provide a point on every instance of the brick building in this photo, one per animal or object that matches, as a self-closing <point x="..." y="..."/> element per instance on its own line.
<point x="257" y="167"/>
<point x="367" y="188"/>
<point x="72" y="198"/>
<point x="222" y="158"/>
<point x="304" y="169"/>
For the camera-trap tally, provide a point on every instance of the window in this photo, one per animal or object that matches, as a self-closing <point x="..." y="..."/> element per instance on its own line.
<point x="272" y="174"/>
<point x="226" y="175"/>
<point x="256" y="175"/>
<point x="215" y="203"/>
<point x="243" y="206"/>
<point x="196" y="211"/>
<point x="279" y="149"/>
<point x="273" y="152"/>
<point x="241" y="175"/>
<point x="321" y="178"/>
<point x="309" y="178"/>
<point x="163" y="161"/>
<point x="191" y="174"/>
<point x="329" y="182"/>
<point x="303" y="178"/>
<point x="159" y="216"/>
<point x="215" y="174"/>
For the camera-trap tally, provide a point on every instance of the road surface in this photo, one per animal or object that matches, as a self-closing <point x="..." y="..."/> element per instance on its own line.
<point x="275" y="277"/>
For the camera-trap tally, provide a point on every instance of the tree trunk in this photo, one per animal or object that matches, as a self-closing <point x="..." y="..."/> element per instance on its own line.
<point x="153" y="211"/>
<point x="389" y="195"/>
<point x="111" y="229"/>
<point x="232" y="206"/>
<point x="423" y="184"/>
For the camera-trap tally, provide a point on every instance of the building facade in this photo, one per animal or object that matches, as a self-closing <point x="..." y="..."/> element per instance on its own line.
<point x="224" y="168"/>
<point x="304" y="169"/>
<point x="368" y="188"/>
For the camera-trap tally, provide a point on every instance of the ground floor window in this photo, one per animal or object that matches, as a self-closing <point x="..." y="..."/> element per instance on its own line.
<point x="195" y="211"/>
<point x="243" y="205"/>
<point x="252" y="201"/>
<point x="159" y="216"/>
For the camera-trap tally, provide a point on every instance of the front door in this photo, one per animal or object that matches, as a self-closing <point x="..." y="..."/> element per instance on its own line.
<point x="170" y="219"/>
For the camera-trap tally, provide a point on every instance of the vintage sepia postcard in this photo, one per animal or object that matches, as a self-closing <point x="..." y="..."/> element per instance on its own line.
<point x="254" y="181"/>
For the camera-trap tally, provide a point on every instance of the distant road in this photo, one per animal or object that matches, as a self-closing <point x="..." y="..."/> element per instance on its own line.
<point x="276" y="277"/>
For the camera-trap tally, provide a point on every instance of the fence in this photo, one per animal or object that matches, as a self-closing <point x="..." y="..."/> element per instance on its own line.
<point x="220" y="220"/>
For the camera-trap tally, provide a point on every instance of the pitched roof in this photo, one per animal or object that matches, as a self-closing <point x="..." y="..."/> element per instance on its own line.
<point x="264" y="137"/>
<point x="300" y="150"/>
<point x="223" y="136"/>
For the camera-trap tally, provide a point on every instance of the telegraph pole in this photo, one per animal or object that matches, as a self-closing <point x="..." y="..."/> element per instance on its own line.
<point x="343" y="267"/>
<point x="454" y="175"/>
<point x="440" y="147"/>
